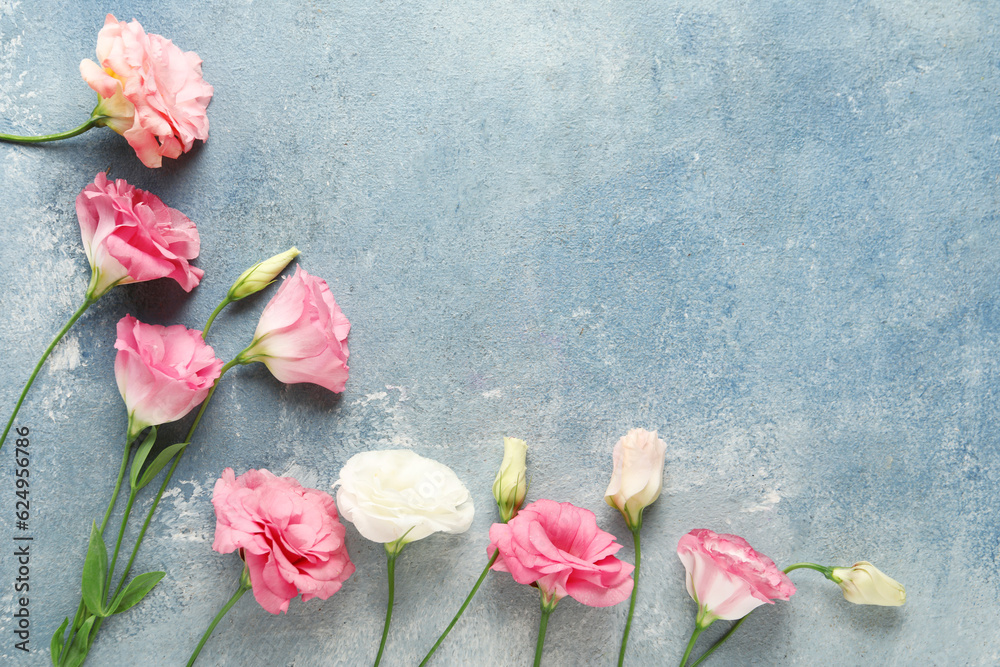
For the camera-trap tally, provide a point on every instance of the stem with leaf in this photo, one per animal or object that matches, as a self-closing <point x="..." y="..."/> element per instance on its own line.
<point x="79" y="617"/>
<point x="73" y="650"/>
<point x="170" y="474"/>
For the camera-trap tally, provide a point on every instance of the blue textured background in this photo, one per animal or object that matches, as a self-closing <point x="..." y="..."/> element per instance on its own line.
<point x="766" y="230"/>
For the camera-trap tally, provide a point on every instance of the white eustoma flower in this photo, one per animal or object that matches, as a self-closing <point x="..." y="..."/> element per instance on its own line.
<point x="638" y="474"/>
<point x="398" y="496"/>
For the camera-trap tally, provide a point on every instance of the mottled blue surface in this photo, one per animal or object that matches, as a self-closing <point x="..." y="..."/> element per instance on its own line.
<point x="768" y="230"/>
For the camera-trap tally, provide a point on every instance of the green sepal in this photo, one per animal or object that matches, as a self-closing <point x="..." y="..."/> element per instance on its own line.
<point x="161" y="460"/>
<point x="140" y="457"/>
<point x="95" y="573"/>
<point x="135" y="591"/>
<point x="81" y="645"/>
<point x="55" y="646"/>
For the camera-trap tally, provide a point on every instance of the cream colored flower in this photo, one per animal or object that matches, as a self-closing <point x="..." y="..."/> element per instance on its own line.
<point x="866" y="584"/>
<point x="638" y="474"/>
<point x="511" y="484"/>
<point x="261" y="274"/>
<point x="397" y="496"/>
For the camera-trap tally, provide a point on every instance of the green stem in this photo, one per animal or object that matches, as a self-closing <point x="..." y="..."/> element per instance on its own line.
<point x="142" y="534"/>
<point x="159" y="495"/>
<point x="694" y="637"/>
<point x="170" y="474"/>
<point x="391" y="555"/>
<point x="461" y="610"/>
<point x="204" y="404"/>
<point x="77" y="624"/>
<point x="118" y="486"/>
<point x="211" y="318"/>
<point x="721" y="640"/>
<point x="145" y="526"/>
<point x="45" y="355"/>
<point x="92" y="122"/>
<point x="152" y="509"/>
<point x="548" y="604"/>
<point x="810" y="566"/>
<point x="78" y="619"/>
<point x="118" y="542"/>
<point x="635" y="593"/>
<point x="244" y="587"/>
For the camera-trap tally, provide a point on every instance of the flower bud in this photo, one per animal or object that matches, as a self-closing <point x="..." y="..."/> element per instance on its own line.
<point x="261" y="274"/>
<point x="511" y="485"/>
<point x="865" y="584"/>
<point x="638" y="474"/>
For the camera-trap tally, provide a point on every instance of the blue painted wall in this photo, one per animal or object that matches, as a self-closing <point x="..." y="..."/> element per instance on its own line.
<point x="768" y="230"/>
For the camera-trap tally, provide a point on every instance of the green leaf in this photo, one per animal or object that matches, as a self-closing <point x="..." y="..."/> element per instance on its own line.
<point x="55" y="646"/>
<point x="140" y="457"/>
<point x="95" y="572"/>
<point x="92" y="633"/>
<point x="162" y="459"/>
<point x="135" y="591"/>
<point x="81" y="645"/>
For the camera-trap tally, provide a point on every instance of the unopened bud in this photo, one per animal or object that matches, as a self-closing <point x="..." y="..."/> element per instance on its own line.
<point x="511" y="485"/>
<point x="866" y="584"/>
<point x="261" y="274"/>
<point x="637" y="478"/>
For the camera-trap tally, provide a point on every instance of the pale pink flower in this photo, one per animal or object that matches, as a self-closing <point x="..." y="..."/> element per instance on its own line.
<point x="637" y="478"/>
<point x="151" y="91"/>
<point x="302" y="334"/>
<point x="162" y="372"/>
<point x="131" y="236"/>
<point x="559" y="548"/>
<point x="291" y="537"/>
<point x="727" y="578"/>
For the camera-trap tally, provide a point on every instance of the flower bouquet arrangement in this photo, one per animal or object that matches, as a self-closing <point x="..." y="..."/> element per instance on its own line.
<point x="293" y="541"/>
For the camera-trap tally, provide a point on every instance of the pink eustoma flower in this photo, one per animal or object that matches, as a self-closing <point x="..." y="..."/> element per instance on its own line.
<point x="302" y="334"/>
<point x="131" y="236"/>
<point x="727" y="578"/>
<point x="291" y="537"/>
<point x="162" y="372"/>
<point x="151" y="92"/>
<point x="559" y="548"/>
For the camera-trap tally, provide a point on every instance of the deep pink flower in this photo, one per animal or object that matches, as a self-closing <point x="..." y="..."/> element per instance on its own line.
<point x="151" y="90"/>
<point x="162" y="372"/>
<point x="559" y="547"/>
<point x="302" y="334"/>
<point x="130" y="236"/>
<point x="291" y="537"/>
<point x="727" y="578"/>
